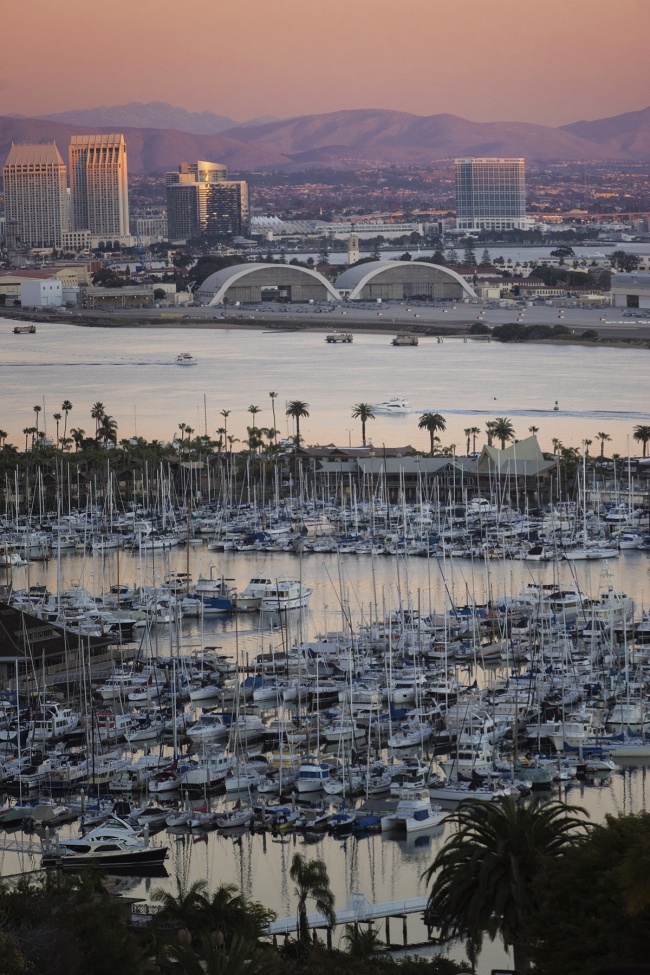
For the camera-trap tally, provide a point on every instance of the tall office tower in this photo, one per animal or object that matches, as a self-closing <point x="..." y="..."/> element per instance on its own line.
<point x="36" y="200"/>
<point x="203" y="202"/>
<point x="490" y="194"/>
<point x="99" y="194"/>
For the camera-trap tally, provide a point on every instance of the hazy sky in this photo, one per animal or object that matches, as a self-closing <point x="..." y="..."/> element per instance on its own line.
<point x="549" y="61"/>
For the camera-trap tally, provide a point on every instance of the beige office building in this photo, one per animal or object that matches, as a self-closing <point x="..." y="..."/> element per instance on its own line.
<point x="36" y="202"/>
<point x="99" y="197"/>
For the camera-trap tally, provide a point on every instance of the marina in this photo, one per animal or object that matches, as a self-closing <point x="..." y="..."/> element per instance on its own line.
<point x="423" y="633"/>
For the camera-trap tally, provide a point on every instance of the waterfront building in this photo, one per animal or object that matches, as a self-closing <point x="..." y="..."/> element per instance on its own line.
<point x="36" y="202"/>
<point x="99" y="197"/>
<point x="203" y="202"/>
<point x="631" y="290"/>
<point x="490" y="194"/>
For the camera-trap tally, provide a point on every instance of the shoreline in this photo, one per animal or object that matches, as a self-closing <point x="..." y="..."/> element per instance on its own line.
<point x="275" y="323"/>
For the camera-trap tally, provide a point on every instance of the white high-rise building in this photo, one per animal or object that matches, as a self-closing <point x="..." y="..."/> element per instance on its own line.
<point x="490" y="194"/>
<point x="36" y="201"/>
<point x="99" y="195"/>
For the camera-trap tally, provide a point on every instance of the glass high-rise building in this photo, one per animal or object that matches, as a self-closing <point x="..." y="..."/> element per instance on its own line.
<point x="490" y="194"/>
<point x="203" y="202"/>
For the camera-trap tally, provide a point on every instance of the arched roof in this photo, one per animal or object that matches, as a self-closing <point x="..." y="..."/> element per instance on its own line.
<point x="215" y="286"/>
<point x="356" y="278"/>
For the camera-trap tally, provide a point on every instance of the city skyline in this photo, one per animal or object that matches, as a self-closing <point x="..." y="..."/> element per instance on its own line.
<point x="545" y="61"/>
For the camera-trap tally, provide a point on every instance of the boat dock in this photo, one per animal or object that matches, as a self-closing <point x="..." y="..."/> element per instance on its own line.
<point x="358" y="910"/>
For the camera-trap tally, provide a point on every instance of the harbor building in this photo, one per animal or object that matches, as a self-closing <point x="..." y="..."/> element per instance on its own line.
<point x="631" y="290"/>
<point x="36" y="200"/>
<point x="402" y="280"/>
<point x="99" y="197"/>
<point x="490" y="194"/>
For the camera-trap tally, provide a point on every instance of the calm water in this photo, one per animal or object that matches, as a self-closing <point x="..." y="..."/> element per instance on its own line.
<point x="134" y="374"/>
<point x="382" y="869"/>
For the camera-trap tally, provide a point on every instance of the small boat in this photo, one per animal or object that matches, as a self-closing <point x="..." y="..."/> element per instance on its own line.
<point x="336" y="337"/>
<point x="405" y="339"/>
<point x="414" y="812"/>
<point x="185" y="359"/>
<point x="250" y="598"/>
<point x="397" y="404"/>
<point x="24" y="330"/>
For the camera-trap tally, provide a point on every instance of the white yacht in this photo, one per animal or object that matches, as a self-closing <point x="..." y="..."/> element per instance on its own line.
<point x="398" y="404"/>
<point x="186" y="359"/>
<point x="413" y="813"/>
<point x="285" y="594"/>
<point x="250" y="598"/>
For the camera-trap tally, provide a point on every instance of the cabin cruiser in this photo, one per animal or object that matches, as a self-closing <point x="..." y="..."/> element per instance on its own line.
<point x="114" y="844"/>
<point x="285" y="594"/>
<point x="414" y="812"/>
<point x="397" y="404"/>
<point x="186" y="359"/>
<point x="250" y="598"/>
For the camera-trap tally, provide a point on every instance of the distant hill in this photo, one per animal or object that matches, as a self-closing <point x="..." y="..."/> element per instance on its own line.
<point x="365" y="137"/>
<point x="149" y="150"/>
<point x="628" y="133"/>
<point x="152" y="115"/>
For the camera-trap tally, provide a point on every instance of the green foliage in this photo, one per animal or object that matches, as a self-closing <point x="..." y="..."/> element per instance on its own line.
<point x="479" y="328"/>
<point x="590" y="335"/>
<point x="516" y="332"/>
<point x="205" y="266"/>
<point x="584" y="921"/>
<point x="482" y="878"/>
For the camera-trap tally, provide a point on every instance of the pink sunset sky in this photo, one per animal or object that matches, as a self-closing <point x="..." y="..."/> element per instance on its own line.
<point x="547" y="61"/>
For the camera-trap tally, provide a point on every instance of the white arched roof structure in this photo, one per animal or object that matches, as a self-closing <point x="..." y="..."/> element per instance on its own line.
<point x="355" y="279"/>
<point x="243" y="281"/>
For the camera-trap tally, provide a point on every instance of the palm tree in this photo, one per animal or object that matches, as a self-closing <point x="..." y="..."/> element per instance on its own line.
<point x="297" y="409"/>
<point x="77" y="435"/>
<point x="57" y="418"/>
<point x="97" y="413"/>
<point x="225" y="414"/>
<point x="602" y="437"/>
<point x="432" y="422"/>
<point x="363" y="412"/>
<point x="474" y="432"/>
<point x="311" y="880"/>
<point x="482" y="880"/>
<point x="273" y="396"/>
<point x="66" y="406"/>
<point x="468" y="433"/>
<point x="557" y="445"/>
<point x="503" y="430"/>
<point x="185" y="907"/>
<point x="37" y="410"/>
<point x="26" y="431"/>
<point x="489" y="430"/>
<point x="108" y="429"/>
<point x="533" y="430"/>
<point x="642" y="435"/>
<point x="3" y="437"/>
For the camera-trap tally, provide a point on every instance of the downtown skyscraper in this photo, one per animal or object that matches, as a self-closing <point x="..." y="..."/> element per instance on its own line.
<point x="36" y="199"/>
<point x="99" y="196"/>
<point x="490" y="194"/>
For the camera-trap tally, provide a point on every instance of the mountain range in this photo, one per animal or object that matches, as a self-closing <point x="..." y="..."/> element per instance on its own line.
<point x="159" y="136"/>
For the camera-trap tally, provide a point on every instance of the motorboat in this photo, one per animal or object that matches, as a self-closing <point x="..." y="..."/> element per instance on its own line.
<point x="111" y="845"/>
<point x="312" y="775"/>
<point x="215" y="595"/>
<point x="397" y="404"/>
<point x="250" y="598"/>
<point x="414" y="812"/>
<point x="186" y="359"/>
<point x="285" y="594"/>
